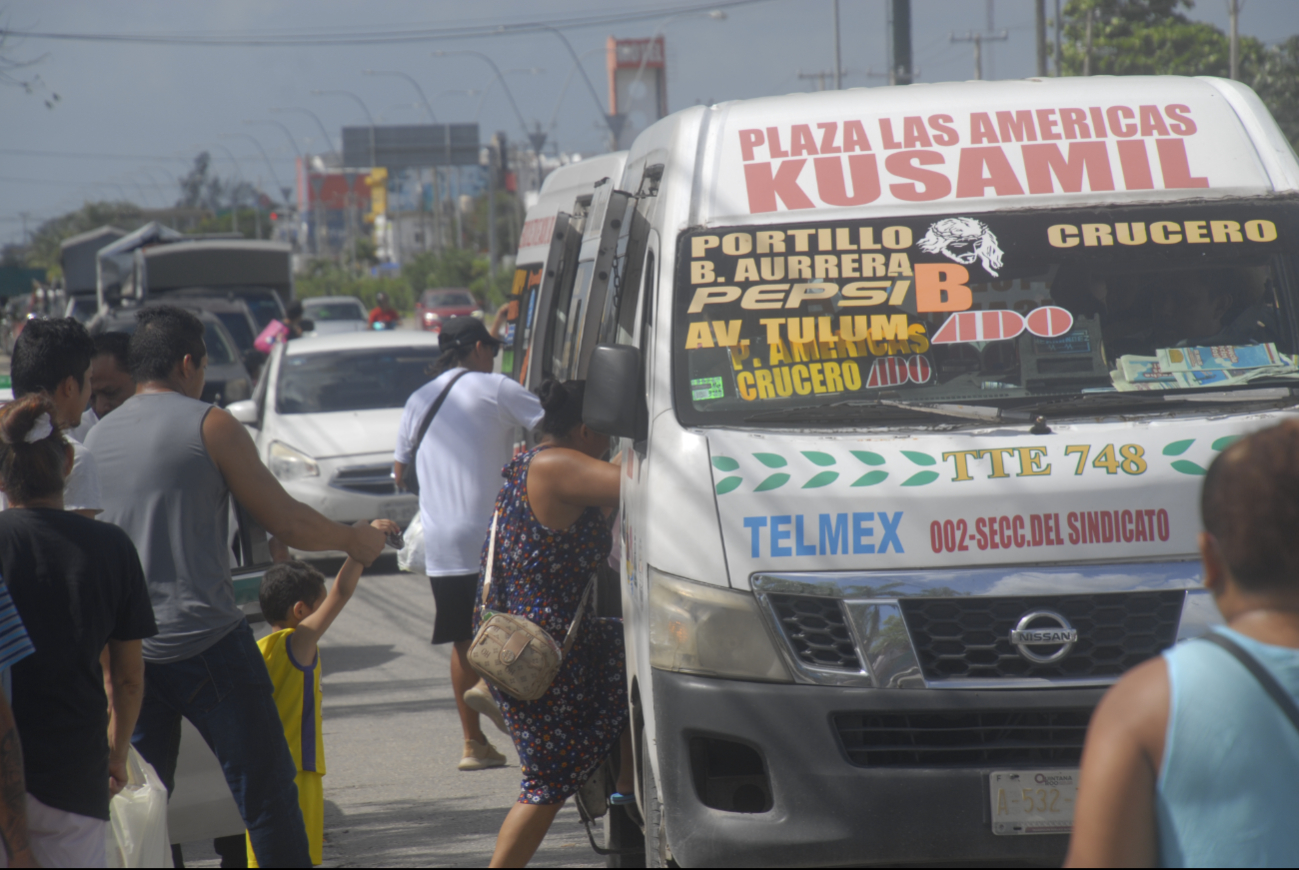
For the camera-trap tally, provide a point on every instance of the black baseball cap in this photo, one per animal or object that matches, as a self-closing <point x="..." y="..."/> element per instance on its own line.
<point x="461" y="332"/>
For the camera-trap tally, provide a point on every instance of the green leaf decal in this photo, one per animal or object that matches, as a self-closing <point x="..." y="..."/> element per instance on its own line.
<point x="870" y="478"/>
<point x="823" y="479"/>
<point x="919" y="459"/>
<point x="771" y="460"/>
<point x="774" y="482"/>
<point x="920" y="478"/>
<point x="1225" y="441"/>
<point x="868" y="457"/>
<point x="725" y="463"/>
<point x="1177" y="448"/>
<point x="1188" y="467"/>
<point x="726" y="484"/>
<point x="822" y="459"/>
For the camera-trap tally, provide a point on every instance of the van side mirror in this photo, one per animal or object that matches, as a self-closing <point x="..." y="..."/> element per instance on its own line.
<point x="245" y="412"/>
<point x="615" y="399"/>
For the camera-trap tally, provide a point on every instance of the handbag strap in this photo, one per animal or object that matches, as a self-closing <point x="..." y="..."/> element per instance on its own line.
<point x="571" y="637"/>
<point x="1269" y="683"/>
<point x="432" y="412"/>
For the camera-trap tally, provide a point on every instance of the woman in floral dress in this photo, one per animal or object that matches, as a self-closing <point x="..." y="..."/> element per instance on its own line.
<point x="551" y="535"/>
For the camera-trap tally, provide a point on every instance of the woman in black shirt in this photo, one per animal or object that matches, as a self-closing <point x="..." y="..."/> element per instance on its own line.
<point x="78" y="586"/>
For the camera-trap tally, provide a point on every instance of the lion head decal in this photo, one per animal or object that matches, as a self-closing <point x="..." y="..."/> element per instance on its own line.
<point x="964" y="240"/>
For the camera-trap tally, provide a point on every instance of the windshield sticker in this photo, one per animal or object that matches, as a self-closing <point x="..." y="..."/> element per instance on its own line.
<point x="1200" y="367"/>
<point x="969" y="326"/>
<point x="964" y="240"/>
<point x="703" y="389"/>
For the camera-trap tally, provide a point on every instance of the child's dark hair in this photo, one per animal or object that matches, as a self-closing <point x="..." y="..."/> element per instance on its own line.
<point x="35" y="470"/>
<point x="563" y="405"/>
<point x="285" y="585"/>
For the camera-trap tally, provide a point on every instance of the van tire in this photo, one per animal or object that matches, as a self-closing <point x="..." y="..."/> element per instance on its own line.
<point x="655" y="842"/>
<point x="622" y="834"/>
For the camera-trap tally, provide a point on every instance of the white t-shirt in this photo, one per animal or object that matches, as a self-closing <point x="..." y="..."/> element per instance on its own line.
<point x="81" y="487"/>
<point x="460" y="460"/>
<point x="88" y="420"/>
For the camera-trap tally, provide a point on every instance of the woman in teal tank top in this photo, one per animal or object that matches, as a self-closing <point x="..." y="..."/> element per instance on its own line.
<point x="1189" y="762"/>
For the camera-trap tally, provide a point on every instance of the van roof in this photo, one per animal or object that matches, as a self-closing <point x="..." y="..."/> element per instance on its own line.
<point x="976" y="146"/>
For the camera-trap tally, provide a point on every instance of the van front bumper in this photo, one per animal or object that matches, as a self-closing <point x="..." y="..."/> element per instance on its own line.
<point x="825" y="810"/>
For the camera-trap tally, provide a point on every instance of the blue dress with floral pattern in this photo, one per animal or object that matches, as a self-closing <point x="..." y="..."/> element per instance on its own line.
<point x="541" y="573"/>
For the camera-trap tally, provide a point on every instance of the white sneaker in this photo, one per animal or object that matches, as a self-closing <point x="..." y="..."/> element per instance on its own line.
<point x="480" y="756"/>
<point x="480" y="700"/>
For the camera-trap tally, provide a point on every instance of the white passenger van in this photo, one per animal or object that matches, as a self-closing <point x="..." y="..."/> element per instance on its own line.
<point x="917" y="388"/>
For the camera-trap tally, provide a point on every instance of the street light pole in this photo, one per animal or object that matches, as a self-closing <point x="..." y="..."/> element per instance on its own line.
<point x="838" y="63"/>
<point x="274" y="175"/>
<point x="234" y="200"/>
<point x="614" y="125"/>
<point x="364" y="108"/>
<point x="329" y="144"/>
<point x="427" y="106"/>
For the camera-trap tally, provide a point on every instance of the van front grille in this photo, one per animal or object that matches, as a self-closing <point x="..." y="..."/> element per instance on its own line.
<point x="817" y="631"/>
<point x="969" y="638"/>
<point x="1053" y="737"/>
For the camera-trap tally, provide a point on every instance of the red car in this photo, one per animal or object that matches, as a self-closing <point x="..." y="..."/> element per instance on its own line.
<point x="439" y="304"/>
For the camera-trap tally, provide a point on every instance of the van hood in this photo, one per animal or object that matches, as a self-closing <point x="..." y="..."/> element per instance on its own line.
<point x="340" y="433"/>
<point x="817" y="501"/>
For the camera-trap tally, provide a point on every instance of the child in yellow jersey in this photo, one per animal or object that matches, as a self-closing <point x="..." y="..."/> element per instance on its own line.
<point x="295" y="603"/>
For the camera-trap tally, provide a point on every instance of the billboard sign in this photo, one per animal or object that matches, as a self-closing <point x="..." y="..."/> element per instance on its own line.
<point x="402" y="146"/>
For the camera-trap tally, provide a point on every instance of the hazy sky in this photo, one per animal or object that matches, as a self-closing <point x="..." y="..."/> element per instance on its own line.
<point x="144" y="111"/>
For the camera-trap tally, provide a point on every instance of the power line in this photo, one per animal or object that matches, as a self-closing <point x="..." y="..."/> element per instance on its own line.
<point x="376" y="37"/>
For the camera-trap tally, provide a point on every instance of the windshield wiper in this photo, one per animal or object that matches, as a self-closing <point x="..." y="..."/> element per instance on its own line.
<point x="1156" y="399"/>
<point x="882" y="407"/>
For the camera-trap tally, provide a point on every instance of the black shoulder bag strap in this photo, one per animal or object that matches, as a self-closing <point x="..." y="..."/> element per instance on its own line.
<point x="1269" y="683"/>
<point x="409" y="479"/>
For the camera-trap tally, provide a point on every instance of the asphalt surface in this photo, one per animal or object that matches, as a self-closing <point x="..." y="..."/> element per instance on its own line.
<point x="393" y="795"/>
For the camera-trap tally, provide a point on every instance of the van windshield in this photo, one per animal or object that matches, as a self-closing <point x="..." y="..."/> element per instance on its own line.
<point x="814" y="321"/>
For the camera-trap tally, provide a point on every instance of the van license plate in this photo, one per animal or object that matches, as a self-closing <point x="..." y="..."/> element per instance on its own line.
<point x="1033" y="801"/>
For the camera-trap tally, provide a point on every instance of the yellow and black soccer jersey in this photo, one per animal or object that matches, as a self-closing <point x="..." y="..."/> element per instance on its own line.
<point x="297" y="697"/>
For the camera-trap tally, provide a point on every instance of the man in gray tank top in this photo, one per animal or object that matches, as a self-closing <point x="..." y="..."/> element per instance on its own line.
<point x="168" y="467"/>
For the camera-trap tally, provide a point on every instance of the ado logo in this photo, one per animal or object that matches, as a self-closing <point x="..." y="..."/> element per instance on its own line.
<point x="1050" y="321"/>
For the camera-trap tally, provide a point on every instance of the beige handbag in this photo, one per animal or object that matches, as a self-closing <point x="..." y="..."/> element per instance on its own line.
<point x="512" y="652"/>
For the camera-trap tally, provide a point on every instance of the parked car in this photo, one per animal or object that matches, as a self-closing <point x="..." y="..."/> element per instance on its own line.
<point x="331" y="315"/>
<point x="438" y="304"/>
<point x="264" y="304"/>
<point x="325" y="416"/>
<point x="227" y="378"/>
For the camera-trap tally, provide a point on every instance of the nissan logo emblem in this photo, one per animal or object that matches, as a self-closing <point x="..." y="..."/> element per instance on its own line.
<point x="1058" y="633"/>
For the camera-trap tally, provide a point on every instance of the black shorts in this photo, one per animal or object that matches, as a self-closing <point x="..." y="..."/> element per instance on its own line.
<point x="454" y="598"/>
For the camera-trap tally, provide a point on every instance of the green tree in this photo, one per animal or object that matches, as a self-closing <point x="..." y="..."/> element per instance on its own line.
<point x="458" y="268"/>
<point x="1155" y="37"/>
<point x="326" y="278"/>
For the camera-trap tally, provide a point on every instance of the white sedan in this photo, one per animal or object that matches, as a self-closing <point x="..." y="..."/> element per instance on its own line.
<point x="334" y="314"/>
<point x="325" y="417"/>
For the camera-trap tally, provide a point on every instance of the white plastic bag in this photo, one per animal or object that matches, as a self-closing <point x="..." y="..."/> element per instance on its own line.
<point x="411" y="557"/>
<point x="137" y="830"/>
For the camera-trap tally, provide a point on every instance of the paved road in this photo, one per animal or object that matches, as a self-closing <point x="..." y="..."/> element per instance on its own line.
<point x="393" y="796"/>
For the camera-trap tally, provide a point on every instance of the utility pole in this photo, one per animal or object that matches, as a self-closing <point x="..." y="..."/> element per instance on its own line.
<point x="900" y="70"/>
<point x="1059" y="58"/>
<point x="1040" y="32"/>
<point x="838" y="60"/>
<point x="979" y="39"/>
<point x="1233" y="11"/>
<point x="1087" y="44"/>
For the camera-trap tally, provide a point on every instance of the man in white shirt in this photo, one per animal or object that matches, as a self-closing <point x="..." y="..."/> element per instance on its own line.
<point x="53" y="357"/>
<point x="458" y="464"/>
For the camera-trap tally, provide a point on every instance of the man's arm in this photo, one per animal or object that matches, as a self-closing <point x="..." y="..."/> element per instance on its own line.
<point x="251" y="482"/>
<point x="126" y="667"/>
<point x="1114" y="819"/>
<point x="13" y="791"/>
<point x="309" y="631"/>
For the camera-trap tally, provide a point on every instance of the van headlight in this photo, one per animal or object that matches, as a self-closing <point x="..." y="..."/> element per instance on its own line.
<point x="700" y="629"/>
<point x="289" y="464"/>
